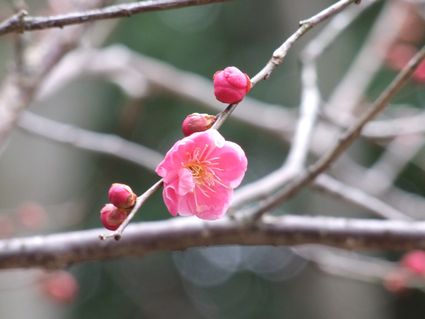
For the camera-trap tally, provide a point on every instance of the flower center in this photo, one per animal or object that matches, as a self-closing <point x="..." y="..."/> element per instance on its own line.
<point x="201" y="173"/>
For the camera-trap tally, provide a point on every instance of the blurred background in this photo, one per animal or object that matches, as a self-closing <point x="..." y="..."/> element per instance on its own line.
<point x="51" y="187"/>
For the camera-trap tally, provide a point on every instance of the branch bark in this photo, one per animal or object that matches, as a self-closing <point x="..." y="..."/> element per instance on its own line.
<point x="60" y="250"/>
<point x="22" y="22"/>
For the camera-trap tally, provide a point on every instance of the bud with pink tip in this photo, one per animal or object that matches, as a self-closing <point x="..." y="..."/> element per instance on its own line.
<point x="231" y="85"/>
<point x="112" y="216"/>
<point x="121" y="195"/>
<point x="196" y="122"/>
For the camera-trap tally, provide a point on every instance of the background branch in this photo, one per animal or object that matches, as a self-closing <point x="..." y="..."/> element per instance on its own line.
<point x="23" y="22"/>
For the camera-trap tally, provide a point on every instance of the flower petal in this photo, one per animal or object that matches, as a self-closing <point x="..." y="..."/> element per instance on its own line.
<point x="230" y="164"/>
<point x="186" y="183"/>
<point x="211" y="205"/>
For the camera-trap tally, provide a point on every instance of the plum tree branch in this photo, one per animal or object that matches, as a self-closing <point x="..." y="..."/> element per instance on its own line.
<point x="344" y="141"/>
<point x="60" y="250"/>
<point x="21" y="21"/>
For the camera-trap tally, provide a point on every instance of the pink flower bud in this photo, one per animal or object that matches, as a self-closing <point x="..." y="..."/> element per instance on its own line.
<point x="196" y="122"/>
<point x="112" y="216"/>
<point x="231" y="85"/>
<point x="121" y="195"/>
<point x="414" y="261"/>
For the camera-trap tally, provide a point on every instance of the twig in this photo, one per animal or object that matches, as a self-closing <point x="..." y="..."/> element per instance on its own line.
<point x="59" y="250"/>
<point x="295" y="161"/>
<point x="391" y="128"/>
<point x="14" y="98"/>
<point x="343" y="143"/>
<point x="92" y="141"/>
<point x="305" y="25"/>
<point x="391" y="162"/>
<point x="309" y="108"/>
<point x="358" y="197"/>
<point x="117" y="234"/>
<point x="347" y="264"/>
<point x="368" y="61"/>
<point x="29" y="23"/>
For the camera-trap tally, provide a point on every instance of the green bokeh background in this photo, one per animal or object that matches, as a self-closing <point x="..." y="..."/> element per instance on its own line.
<point x="243" y="33"/>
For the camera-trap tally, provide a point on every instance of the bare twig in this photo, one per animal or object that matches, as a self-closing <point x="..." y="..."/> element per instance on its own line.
<point x="350" y="90"/>
<point x="358" y="197"/>
<point x="20" y="23"/>
<point x="15" y="96"/>
<point x="116" y="234"/>
<point x="391" y="163"/>
<point x="92" y="141"/>
<point x="295" y="161"/>
<point x="344" y="141"/>
<point x="309" y="108"/>
<point x="305" y="25"/>
<point x="59" y="250"/>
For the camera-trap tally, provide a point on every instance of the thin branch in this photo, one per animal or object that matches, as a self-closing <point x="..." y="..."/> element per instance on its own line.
<point x="344" y="141"/>
<point x="60" y="250"/>
<point x="351" y="88"/>
<point x="92" y="141"/>
<point x="19" y="23"/>
<point x="15" y="96"/>
<point x="117" y="234"/>
<point x="358" y="197"/>
<point x="309" y="108"/>
<point x="391" y="163"/>
<point x="305" y="25"/>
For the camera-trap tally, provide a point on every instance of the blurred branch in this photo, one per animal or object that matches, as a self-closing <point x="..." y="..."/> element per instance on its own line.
<point x="344" y="141"/>
<point x="305" y="25"/>
<point x="350" y="90"/>
<point x="391" y="163"/>
<point x="15" y="94"/>
<point x="309" y="108"/>
<point x="60" y="250"/>
<point x="358" y="197"/>
<point x="23" y="22"/>
<point x="92" y="141"/>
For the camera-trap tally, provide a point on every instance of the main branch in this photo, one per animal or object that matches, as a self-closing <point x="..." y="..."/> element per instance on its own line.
<point x="60" y="250"/>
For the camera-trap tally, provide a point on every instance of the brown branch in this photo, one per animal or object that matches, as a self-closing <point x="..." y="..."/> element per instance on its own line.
<point x="60" y="250"/>
<point x="22" y="22"/>
<point x="345" y="140"/>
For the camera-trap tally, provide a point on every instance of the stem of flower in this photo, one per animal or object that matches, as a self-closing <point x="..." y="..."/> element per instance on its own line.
<point x="222" y="116"/>
<point x="116" y="234"/>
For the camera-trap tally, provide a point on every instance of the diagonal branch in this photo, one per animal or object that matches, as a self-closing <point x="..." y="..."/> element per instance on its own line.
<point x="22" y="22"/>
<point x="344" y="141"/>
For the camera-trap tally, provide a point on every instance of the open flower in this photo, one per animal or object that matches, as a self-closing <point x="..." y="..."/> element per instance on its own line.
<point x="200" y="172"/>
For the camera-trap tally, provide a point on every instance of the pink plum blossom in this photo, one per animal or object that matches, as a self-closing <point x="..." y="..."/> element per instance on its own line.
<point x="200" y="172"/>
<point x="231" y="85"/>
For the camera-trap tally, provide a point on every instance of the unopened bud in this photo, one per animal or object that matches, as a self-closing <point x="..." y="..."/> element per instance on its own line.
<point x="231" y="85"/>
<point x="112" y="216"/>
<point x="196" y="122"/>
<point x="121" y="195"/>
